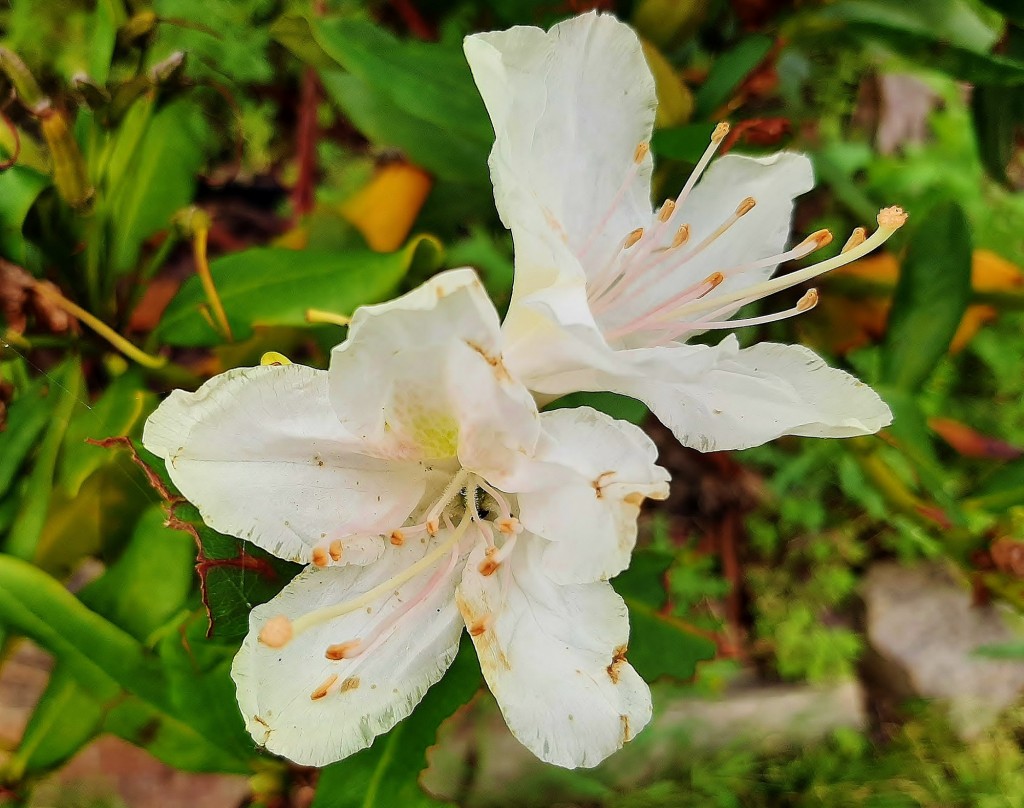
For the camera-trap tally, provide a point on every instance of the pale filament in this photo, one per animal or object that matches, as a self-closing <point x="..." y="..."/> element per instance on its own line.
<point x="336" y="610"/>
<point x="806" y="303"/>
<point x="656" y="318"/>
<point x="638" y="160"/>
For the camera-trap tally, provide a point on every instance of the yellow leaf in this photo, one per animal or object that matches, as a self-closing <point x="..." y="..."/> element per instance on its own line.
<point x="675" y="101"/>
<point x="385" y="209"/>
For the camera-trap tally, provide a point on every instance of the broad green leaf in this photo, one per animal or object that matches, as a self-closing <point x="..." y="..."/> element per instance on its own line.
<point x="1012" y="650"/>
<point x="382" y="121"/>
<point x="659" y="644"/>
<point x="155" y="176"/>
<point x="955" y="42"/>
<point x="271" y="286"/>
<point x="930" y="298"/>
<point x="20" y="186"/>
<point x="729" y="69"/>
<point x="35" y="501"/>
<point x="686" y="143"/>
<point x="110" y="666"/>
<point x="409" y="94"/>
<point x="620" y="407"/>
<point x="151" y="580"/>
<point x="66" y="718"/>
<point x="387" y="774"/>
<point x="114" y="413"/>
<point x="27" y="417"/>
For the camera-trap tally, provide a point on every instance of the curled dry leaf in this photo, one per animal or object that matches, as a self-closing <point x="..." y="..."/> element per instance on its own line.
<point x="19" y="298"/>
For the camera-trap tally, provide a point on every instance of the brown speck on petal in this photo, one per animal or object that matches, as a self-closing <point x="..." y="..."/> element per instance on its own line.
<point x="627" y="734"/>
<point x="478" y="627"/>
<point x="600" y="482"/>
<point x="351" y="683"/>
<point x="618" y="660"/>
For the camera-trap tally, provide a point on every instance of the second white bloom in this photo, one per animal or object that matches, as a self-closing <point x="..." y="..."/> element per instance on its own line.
<point x="418" y="480"/>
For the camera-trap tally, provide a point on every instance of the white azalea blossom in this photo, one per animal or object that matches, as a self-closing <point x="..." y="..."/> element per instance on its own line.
<point x="608" y="289"/>
<point x="428" y="495"/>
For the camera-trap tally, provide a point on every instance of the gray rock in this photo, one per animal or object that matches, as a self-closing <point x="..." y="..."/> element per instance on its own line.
<point x="479" y="763"/>
<point x="923" y="631"/>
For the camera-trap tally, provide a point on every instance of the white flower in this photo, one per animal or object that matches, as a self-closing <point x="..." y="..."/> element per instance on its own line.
<point x="607" y="290"/>
<point x="429" y="495"/>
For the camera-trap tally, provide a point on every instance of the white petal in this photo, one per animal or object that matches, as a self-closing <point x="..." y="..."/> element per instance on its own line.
<point x="372" y="692"/>
<point x="569" y="107"/>
<point x="261" y="454"/>
<point x="751" y="396"/>
<point x="590" y="476"/>
<point x="774" y="182"/>
<point x="553" y="656"/>
<point x="423" y="377"/>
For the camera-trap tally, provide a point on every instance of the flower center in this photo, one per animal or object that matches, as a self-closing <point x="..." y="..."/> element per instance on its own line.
<point x="483" y="514"/>
<point x="623" y="292"/>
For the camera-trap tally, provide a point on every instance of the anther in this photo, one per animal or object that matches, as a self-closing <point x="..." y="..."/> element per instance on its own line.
<point x="320" y="557"/>
<point x="858" y="237"/>
<point x="488" y="567"/>
<point x="641" y="152"/>
<point x="720" y="132"/>
<point x="336" y="549"/>
<point x="325" y="688"/>
<point x="817" y="240"/>
<point x="633" y="237"/>
<point x="713" y="281"/>
<point x="746" y="206"/>
<point x="397" y="538"/>
<point x="276" y="632"/>
<point x="808" y="301"/>
<point x="433" y="526"/>
<point x="509" y="526"/>
<point x="342" y="650"/>
<point x="682" y="236"/>
<point x="892" y="218"/>
<point x="667" y="209"/>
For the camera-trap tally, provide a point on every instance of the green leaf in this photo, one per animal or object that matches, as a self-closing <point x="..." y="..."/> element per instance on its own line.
<point x="387" y="774"/>
<point x="19" y="188"/>
<point x="114" y="413"/>
<point x="1012" y="650"/>
<point x="659" y="644"/>
<point x="930" y="298"/>
<point x="149" y="583"/>
<point x="271" y="286"/>
<point x="110" y="666"/>
<point x="997" y="113"/>
<point x="728" y="71"/>
<point x="154" y="176"/>
<point x="622" y="408"/>
<point x="35" y="502"/>
<point x="66" y="718"/>
<point x="686" y="143"/>
<point x="27" y="417"/>
<point x="955" y="42"/>
<point x="415" y="96"/>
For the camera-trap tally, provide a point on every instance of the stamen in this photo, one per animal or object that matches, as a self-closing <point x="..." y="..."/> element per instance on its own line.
<point x="633" y="237"/>
<point x="510" y="526"/>
<point x="806" y="303"/>
<point x="716" y="139"/>
<point x="325" y="688"/>
<point x="639" y="155"/>
<point x="334" y="611"/>
<point x="889" y="221"/>
<point x="336" y="549"/>
<point x="667" y="209"/>
<point x="397" y="538"/>
<point x="682" y="236"/>
<point x="320" y="557"/>
<point x="276" y="632"/>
